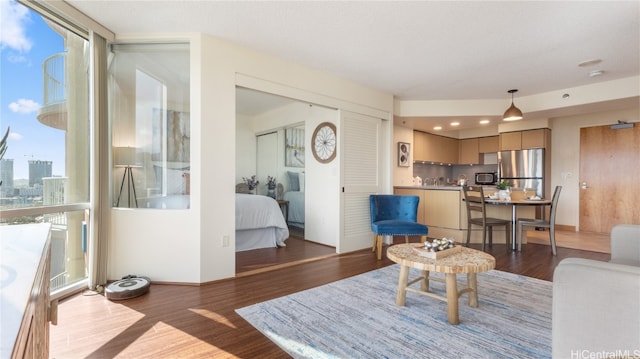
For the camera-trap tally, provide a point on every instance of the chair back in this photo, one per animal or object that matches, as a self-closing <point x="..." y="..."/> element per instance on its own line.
<point x="384" y="207"/>
<point x="554" y="205"/>
<point x="474" y="199"/>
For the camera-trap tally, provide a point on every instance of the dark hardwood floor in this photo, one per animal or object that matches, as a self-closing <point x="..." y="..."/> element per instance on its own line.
<point x="173" y="321"/>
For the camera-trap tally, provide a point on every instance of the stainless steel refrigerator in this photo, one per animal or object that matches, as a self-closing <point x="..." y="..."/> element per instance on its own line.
<point x="523" y="169"/>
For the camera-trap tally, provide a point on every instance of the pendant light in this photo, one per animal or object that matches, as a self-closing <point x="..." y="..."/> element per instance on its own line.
<point x="512" y="113"/>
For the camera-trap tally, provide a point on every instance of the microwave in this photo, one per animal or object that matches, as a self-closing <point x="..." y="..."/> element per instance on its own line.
<point x="486" y="178"/>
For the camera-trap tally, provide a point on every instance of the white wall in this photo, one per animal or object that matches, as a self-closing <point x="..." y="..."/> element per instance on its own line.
<point x="402" y="176"/>
<point x="565" y="157"/>
<point x="186" y="245"/>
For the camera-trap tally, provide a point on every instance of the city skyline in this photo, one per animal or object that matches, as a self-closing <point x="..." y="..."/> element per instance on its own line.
<point x="26" y="41"/>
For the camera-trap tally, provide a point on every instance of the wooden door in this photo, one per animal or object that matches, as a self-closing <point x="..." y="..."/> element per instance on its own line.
<point x="609" y="177"/>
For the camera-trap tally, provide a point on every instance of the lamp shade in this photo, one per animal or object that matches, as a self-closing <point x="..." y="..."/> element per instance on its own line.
<point x="124" y="156"/>
<point x="512" y="113"/>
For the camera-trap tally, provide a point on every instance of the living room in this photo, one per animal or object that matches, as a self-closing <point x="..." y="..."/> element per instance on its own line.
<point x="193" y="254"/>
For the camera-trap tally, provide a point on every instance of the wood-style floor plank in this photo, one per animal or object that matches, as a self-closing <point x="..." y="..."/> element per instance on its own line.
<point x="174" y="321"/>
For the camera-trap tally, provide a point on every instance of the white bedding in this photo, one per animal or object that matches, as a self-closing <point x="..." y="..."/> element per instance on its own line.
<point x="259" y="223"/>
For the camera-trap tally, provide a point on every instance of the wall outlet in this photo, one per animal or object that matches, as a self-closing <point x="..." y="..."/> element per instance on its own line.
<point x="225" y="241"/>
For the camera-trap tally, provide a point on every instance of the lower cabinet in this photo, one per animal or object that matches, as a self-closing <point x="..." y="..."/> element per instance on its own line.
<point x="444" y="211"/>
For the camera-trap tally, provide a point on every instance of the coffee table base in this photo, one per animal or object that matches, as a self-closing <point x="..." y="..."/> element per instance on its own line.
<point x="451" y="286"/>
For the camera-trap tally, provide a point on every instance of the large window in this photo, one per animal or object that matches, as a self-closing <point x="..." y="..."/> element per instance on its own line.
<point x="149" y="109"/>
<point x="45" y="170"/>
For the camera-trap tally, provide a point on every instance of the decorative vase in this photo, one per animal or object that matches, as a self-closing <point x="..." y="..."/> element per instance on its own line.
<point x="271" y="192"/>
<point x="504" y="194"/>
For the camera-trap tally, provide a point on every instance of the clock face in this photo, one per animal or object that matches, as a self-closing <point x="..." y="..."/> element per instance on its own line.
<point x="324" y="142"/>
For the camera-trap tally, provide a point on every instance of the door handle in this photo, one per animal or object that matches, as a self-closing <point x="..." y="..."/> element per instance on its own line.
<point x="583" y="185"/>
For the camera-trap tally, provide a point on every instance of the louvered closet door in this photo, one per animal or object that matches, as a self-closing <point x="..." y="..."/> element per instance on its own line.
<point x="360" y="177"/>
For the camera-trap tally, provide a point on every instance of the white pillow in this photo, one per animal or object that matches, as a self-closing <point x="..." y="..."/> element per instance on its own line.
<point x="176" y="182"/>
<point x="301" y="181"/>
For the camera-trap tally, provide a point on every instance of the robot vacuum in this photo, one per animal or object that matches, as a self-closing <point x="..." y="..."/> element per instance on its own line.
<point x="127" y="287"/>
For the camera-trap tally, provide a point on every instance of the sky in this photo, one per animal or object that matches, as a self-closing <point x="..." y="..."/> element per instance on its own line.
<point x="25" y="43"/>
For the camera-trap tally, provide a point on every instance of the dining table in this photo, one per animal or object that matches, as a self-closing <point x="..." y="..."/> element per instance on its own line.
<point x="515" y="203"/>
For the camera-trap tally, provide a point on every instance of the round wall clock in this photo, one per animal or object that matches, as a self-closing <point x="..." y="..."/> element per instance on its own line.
<point x="323" y="142"/>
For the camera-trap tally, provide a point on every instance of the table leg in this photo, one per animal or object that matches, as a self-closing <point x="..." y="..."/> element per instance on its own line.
<point x="402" y="285"/>
<point x="513" y="227"/>
<point x="472" y="283"/>
<point x="452" y="298"/>
<point x="424" y="283"/>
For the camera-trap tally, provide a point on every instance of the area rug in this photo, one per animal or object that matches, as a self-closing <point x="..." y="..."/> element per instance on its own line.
<point x="357" y="318"/>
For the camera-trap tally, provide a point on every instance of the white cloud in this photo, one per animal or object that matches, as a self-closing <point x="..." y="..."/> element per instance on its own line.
<point x="24" y="106"/>
<point x="13" y="19"/>
<point x="13" y="135"/>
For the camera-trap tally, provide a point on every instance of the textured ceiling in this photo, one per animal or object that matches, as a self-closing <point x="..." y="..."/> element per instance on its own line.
<point x="418" y="50"/>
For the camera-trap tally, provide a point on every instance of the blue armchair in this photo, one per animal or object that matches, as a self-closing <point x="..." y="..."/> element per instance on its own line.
<point x="393" y="215"/>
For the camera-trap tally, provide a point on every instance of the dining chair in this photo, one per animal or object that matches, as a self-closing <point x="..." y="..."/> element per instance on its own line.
<point x="394" y="215"/>
<point x="477" y="215"/>
<point x="551" y="223"/>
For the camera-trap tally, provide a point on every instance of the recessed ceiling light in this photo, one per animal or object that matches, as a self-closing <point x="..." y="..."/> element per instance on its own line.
<point x="437" y="128"/>
<point x="455" y="123"/>
<point x="595" y="73"/>
<point x="484" y="122"/>
<point x="589" y="62"/>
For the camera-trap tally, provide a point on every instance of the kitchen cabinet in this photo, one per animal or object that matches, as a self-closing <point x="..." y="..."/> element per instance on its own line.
<point x="419" y="146"/>
<point x="414" y="192"/>
<point x="434" y="148"/>
<point x="441" y="208"/>
<point x="523" y="140"/>
<point x="25" y="333"/>
<point x="535" y="138"/>
<point x="489" y="144"/>
<point x="469" y="151"/>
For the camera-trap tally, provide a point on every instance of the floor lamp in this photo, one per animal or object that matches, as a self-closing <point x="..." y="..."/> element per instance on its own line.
<point x="126" y="157"/>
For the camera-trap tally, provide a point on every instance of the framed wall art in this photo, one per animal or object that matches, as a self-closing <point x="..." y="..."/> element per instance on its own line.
<point x="404" y="151"/>
<point x="294" y="147"/>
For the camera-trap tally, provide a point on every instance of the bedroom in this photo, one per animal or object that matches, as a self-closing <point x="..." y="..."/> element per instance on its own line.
<point x="271" y="134"/>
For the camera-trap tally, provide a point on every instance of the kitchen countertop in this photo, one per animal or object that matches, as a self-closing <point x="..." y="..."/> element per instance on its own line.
<point x="446" y="188"/>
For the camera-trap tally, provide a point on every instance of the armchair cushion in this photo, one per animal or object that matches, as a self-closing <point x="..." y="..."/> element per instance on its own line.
<point x="625" y="244"/>
<point x="398" y="228"/>
<point x="596" y="308"/>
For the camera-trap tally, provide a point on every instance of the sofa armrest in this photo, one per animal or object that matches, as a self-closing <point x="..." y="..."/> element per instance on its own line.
<point x="596" y="308"/>
<point x="625" y="244"/>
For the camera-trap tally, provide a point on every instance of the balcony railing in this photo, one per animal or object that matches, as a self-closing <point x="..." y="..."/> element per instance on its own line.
<point x="55" y="88"/>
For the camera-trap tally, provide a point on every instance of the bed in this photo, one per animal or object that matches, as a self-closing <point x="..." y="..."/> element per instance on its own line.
<point x="259" y="223"/>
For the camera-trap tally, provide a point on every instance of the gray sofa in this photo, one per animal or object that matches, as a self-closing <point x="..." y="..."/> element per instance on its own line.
<point x="596" y="305"/>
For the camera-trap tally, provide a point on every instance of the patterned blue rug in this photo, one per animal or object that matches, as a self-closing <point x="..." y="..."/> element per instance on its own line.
<point x="357" y="318"/>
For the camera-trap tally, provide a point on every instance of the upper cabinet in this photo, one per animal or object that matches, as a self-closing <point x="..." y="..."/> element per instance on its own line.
<point x="488" y="144"/>
<point x="522" y="140"/>
<point x="469" y="151"/>
<point x="434" y="148"/>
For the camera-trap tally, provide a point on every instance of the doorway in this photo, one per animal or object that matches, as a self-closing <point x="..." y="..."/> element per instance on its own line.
<point x="609" y="177"/>
<point x="262" y="121"/>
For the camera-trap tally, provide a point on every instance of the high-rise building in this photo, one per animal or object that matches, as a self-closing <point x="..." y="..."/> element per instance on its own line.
<point x="6" y="176"/>
<point x="38" y="170"/>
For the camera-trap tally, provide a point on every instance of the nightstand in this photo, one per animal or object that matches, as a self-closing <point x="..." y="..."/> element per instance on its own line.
<point x="284" y="204"/>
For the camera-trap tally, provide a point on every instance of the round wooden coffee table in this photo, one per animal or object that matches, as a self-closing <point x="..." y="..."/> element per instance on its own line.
<point x="467" y="260"/>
